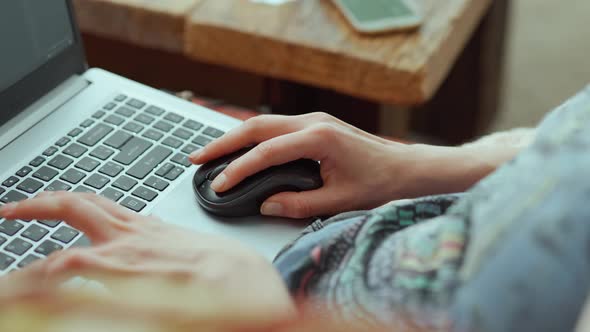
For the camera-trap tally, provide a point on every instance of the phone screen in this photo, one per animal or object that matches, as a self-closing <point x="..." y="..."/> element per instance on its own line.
<point x="374" y="10"/>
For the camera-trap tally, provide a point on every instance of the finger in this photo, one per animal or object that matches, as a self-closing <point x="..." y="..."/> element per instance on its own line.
<point x="111" y="207"/>
<point x="80" y="213"/>
<point x="305" y="204"/>
<point x="253" y="131"/>
<point x="276" y="151"/>
<point x="98" y="263"/>
<point x="46" y="271"/>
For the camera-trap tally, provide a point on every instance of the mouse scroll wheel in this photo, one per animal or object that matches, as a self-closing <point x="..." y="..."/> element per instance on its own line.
<point x="214" y="173"/>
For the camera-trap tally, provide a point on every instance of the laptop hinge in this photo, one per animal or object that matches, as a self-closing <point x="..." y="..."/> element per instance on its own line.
<point x="42" y="108"/>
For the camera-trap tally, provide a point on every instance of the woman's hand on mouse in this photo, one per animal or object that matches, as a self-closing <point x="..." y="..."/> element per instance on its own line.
<point x="126" y="244"/>
<point x="360" y="170"/>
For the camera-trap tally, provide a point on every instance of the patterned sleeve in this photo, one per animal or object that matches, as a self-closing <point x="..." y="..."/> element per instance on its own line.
<point x="511" y="254"/>
<point x="361" y="265"/>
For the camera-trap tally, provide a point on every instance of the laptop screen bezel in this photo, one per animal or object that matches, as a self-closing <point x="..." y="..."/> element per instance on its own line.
<point x="45" y="78"/>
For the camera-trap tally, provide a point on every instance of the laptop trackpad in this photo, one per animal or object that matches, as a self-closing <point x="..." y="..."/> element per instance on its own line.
<point x="267" y="235"/>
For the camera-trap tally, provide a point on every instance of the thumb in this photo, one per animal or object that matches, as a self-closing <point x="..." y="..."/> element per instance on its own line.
<point x="305" y="204"/>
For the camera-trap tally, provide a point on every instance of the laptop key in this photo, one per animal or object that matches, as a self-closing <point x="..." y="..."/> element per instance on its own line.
<point x="156" y="183"/>
<point x="181" y="159"/>
<point x="87" y="123"/>
<point x="145" y="193"/>
<point x="60" y="162"/>
<point x="213" y="132"/>
<point x="163" y="126"/>
<point x="133" y="204"/>
<point x="153" y="110"/>
<point x="50" y="151"/>
<point x="2" y="240"/>
<point x="136" y="103"/>
<point x="174" y="173"/>
<point x="173" y="117"/>
<point x="162" y="171"/>
<point x="153" y="135"/>
<point x="48" y="247"/>
<point x="37" y="161"/>
<point x="114" y="120"/>
<point x="132" y="150"/>
<point x="45" y="173"/>
<point x="182" y="133"/>
<point x="75" y="150"/>
<point x="102" y="153"/>
<point x="18" y="246"/>
<point x="120" y="98"/>
<point x="34" y="233"/>
<point x="202" y="140"/>
<point x="30" y="186"/>
<point x="5" y="261"/>
<point x="88" y="164"/>
<point x="58" y="186"/>
<point x="10" y="227"/>
<point x="125" y="111"/>
<point x="73" y="176"/>
<point x="124" y="183"/>
<point x="65" y="234"/>
<point x="192" y="124"/>
<point x="2" y="190"/>
<point x="118" y="139"/>
<point x="11" y="181"/>
<point x="62" y="142"/>
<point x="13" y="196"/>
<point x="97" y="181"/>
<point x="145" y="119"/>
<point x="50" y="223"/>
<point x="110" y="106"/>
<point x="28" y="261"/>
<point x="95" y="134"/>
<point x="99" y="114"/>
<point x="112" y="194"/>
<point x="172" y="142"/>
<point x="150" y="161"/>
<point x="133" y="127"/>
<point x="111" y="169"/>
<point x="190" y="148"/>
<point x="84" y="189"/>
<point x="75" y="132"/>
<point x="24" y="171"/>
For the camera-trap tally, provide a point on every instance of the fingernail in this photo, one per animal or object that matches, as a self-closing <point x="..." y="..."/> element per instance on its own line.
<point x="195" y="155"/>
<point x="271" y="209"/>
<point x="7" y="209"/>
<point x="219" y="182"/>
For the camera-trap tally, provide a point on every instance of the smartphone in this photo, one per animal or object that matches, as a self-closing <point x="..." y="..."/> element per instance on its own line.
<point x="378" y="16"/>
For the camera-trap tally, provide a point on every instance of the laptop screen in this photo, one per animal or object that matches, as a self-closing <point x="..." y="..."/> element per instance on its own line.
<point x="40" y="49"/>
<point x="34" y="32"/>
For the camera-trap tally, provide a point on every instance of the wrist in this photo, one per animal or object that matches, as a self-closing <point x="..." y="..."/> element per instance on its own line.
<point x="431" y="170"/>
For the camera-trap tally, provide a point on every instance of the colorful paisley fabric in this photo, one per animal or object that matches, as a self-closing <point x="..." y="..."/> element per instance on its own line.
<point x="511" y="254"/>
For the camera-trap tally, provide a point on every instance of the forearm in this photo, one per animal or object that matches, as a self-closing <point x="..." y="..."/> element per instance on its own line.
<point x="437" y="169"/>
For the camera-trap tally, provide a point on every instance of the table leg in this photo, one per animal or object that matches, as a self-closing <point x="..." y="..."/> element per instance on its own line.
<point x="469" y="99"/>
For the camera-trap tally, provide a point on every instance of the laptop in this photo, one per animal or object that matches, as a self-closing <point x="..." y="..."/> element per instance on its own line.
<point x="66" y="127"/>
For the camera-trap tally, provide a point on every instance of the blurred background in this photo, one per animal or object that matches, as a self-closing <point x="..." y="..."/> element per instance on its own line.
<point x="548" y="59"/>
<point x="474" y="67"/>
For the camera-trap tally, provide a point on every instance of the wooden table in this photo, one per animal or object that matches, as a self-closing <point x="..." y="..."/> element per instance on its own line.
<point x="309" y="42"/>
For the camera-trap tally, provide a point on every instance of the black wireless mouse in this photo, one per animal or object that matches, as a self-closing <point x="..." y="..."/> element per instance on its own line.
<point x="246" y="197"/>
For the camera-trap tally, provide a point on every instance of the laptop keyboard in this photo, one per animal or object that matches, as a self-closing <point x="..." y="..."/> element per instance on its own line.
<point x="128" y="151"/>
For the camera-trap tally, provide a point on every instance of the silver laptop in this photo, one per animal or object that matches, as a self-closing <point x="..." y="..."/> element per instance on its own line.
<point x="63" y="127"/>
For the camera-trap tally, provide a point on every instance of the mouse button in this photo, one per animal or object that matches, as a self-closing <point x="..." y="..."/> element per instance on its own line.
<point x="210" y="195"/>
